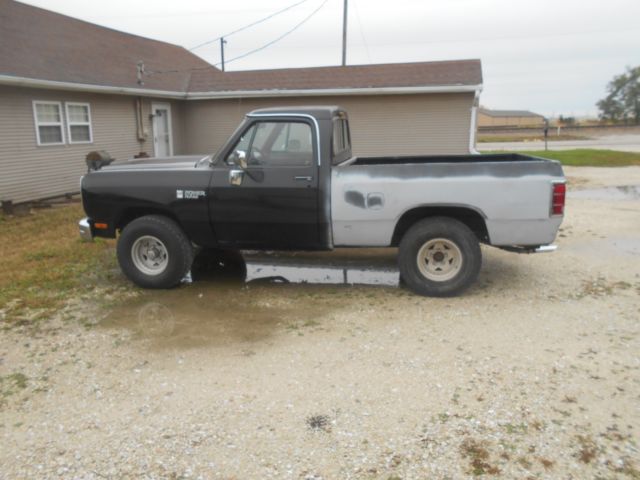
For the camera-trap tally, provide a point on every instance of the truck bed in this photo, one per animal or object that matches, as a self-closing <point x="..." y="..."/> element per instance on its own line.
<point x="485" y="158"/>
<point x="510" y="192"/>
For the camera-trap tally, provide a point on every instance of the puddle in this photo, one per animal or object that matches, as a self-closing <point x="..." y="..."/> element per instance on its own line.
<point x="237" y="299"/>
<point x="332" y="268"/>
<point x="628" y="192"/>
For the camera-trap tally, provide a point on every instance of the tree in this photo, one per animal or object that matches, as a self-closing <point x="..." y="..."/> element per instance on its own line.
<point x="623" y="100"/>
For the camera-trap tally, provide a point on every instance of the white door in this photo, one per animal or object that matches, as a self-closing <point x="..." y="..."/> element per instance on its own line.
<point x="162" y="141"/>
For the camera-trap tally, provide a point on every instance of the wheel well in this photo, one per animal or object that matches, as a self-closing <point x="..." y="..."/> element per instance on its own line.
<point x="468" y="216"/>
<point x="130" y="214"/>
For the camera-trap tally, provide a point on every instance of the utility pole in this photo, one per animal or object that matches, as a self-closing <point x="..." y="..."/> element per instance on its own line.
<point x="222" y="42"/>
<point x="344" y="34"/>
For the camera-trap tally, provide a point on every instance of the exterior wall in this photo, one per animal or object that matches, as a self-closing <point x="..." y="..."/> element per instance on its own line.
<point x="380" y="125"/>
<point x="485" y="120"/>
<point x="30" y="172"/>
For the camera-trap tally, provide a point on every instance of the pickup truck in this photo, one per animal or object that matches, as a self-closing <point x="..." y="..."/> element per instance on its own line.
<point x="286" y="180"/>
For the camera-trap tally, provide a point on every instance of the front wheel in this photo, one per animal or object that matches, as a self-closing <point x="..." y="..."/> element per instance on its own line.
<point x="439" y="257"/>
<point x="154" y="252"/>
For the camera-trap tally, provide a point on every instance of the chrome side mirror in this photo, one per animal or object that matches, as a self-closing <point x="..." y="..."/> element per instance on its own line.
<point x="240" y="159"/>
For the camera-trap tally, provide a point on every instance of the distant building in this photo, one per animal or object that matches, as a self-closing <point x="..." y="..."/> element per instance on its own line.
<point x="509" y="118"/>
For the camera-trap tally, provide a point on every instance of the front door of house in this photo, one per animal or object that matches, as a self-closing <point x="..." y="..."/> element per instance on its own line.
<point x="162" y="141"/>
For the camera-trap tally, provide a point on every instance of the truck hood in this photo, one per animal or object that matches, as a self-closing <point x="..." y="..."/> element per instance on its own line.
<point x="179" y="162"/>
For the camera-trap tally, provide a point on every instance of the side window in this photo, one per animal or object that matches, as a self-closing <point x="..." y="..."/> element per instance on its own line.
<point x="79" y="123"/>
<point x="48" y="120"/>
<point x="276" y="144"/>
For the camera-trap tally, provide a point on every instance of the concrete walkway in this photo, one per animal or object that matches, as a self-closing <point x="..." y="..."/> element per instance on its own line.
<point x="623" y="143"/>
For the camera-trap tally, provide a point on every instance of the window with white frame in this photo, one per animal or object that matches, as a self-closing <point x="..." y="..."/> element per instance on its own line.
<point x="48" y="119"/>
<point x="79" y="122"/>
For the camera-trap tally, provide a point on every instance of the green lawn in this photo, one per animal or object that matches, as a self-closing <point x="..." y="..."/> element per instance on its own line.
<point x="585" y="157"/>
<point x="44" y="262"/>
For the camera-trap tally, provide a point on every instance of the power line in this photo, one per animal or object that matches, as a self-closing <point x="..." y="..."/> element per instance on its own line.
<point x="209" y="42"/>
<point x="266" y="45"/>
<point x="143" y="71"/>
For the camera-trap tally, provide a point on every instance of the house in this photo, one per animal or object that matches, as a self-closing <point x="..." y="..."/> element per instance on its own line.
<point x="68" y="87"/>
<point x="509" y="119"/>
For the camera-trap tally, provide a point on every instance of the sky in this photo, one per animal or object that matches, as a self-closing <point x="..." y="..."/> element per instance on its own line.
<point x="549" y="56"/>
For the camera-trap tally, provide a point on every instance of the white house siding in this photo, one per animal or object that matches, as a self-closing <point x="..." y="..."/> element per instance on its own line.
<point x="30" y="172"/>
<point x="380" y="124"/>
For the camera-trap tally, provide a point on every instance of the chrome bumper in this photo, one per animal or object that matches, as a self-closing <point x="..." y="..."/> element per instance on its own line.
<point x="540" y="249"/>
<point x="85" y="230"/>
<point x="546" y="249"/>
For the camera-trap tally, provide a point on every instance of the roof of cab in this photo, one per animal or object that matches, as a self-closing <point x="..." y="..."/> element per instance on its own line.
<point x="320" y="112"/>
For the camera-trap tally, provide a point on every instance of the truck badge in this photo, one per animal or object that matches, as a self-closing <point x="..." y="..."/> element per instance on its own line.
<point x="190" y="194"/>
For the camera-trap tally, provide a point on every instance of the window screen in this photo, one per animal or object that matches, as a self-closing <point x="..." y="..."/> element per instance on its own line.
<point x="48" y="119"/>
<point x="79" y="123"/>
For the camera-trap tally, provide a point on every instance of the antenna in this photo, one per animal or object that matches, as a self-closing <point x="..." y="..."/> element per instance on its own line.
<point x="140" y="72"/>
<point x="344" y="34"/>
<point x="222" y="42"/>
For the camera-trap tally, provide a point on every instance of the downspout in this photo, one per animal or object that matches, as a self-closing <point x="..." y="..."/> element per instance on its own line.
<point x="141" y="131"/>
<point x="473" y="126"/>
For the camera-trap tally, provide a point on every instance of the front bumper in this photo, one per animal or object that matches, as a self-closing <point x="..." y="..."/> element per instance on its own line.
<point x="85" y="230"/>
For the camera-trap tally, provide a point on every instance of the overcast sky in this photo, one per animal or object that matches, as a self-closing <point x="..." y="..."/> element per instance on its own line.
<point x="549" y="56"/>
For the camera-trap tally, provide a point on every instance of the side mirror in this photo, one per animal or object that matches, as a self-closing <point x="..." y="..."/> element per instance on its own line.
<point x="240" y="159"/>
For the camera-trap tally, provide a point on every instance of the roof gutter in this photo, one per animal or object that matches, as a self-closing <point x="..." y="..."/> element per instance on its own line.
<point x="317" y="92"/>
<point x="86" y="87"/>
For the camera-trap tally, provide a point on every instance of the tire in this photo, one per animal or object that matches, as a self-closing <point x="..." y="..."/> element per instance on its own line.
<point x="154" y="252"/>
<point x="439" y="257"/>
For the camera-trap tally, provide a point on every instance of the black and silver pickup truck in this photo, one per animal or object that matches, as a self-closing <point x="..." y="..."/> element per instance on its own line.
<point x="286" y="180"/>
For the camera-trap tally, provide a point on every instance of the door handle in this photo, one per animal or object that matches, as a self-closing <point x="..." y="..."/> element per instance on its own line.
<point x="303" y="178"/>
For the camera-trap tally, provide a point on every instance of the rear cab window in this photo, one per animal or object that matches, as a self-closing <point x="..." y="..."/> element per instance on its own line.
<point x="341" y="140"/>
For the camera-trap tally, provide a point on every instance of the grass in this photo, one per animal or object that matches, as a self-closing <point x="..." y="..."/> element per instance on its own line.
<point x="584" y="157"/>
<point x="44" y="262"/>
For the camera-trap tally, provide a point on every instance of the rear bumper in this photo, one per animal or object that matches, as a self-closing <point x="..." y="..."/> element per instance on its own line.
<point x="85" y="230"/>
<point x="525" y="249"/>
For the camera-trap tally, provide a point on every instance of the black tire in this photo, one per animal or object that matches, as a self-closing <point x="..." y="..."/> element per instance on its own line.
<point x="459" y="261"/>
<point x="175" y="265"/>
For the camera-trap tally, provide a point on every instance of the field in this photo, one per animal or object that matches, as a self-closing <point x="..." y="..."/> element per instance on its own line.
<point x="587" y="157"/>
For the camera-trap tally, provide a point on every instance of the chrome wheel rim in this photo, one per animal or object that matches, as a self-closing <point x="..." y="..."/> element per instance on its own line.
<point x="150" y="255"/>
<point x="439" y="260"/>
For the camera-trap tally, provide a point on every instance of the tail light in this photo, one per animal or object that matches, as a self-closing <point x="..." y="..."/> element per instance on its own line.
<point x="557" y="198"/>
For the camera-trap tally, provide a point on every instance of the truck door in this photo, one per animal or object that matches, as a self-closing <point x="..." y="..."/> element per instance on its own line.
<point x="272" y="202"/>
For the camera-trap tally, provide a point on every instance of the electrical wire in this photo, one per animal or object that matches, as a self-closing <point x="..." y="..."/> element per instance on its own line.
<point x="288" y="32"/>
<point x="364" y="41"/>
<point x="209" y="42"/>
<point x="266" y="45"/>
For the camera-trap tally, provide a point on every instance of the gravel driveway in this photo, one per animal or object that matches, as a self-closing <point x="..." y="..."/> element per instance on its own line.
<point x="533" y="373"/>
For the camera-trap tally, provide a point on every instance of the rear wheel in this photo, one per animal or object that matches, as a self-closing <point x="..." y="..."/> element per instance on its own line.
<point x="154" y="252"/>
<point x="439" y="257"/>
